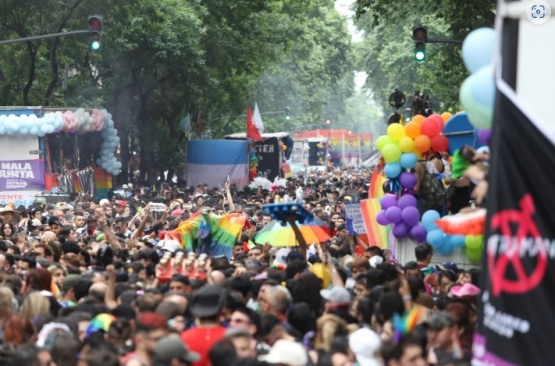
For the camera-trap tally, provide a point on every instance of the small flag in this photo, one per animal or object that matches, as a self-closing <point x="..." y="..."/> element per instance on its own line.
<point x="252" y="131"/>
<point x="257" y="119"/>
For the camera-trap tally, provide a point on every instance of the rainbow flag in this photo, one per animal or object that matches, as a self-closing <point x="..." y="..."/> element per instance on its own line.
<point x="377" y="234"/>
<point x="210" y="233"/>
<point x="376" y="185"/>
<point x="103" y="182"/>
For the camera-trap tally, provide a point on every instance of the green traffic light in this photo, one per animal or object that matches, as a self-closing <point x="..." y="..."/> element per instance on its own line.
<point x="287" y="118"/>
<point x="94" y="45"/>
<point x="420" y="51"/>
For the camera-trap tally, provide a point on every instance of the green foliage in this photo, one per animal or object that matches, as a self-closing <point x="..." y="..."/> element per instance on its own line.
<point x="163" y="59"/>
<point x="387" y="50"/>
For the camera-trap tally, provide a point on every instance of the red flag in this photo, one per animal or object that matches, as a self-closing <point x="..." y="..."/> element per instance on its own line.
<point x="252" y="131"/>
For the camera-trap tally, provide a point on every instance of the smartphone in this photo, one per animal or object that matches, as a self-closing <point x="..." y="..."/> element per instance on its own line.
<point x="467" y="153"/>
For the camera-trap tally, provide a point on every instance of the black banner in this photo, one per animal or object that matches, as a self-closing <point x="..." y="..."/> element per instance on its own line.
<point x="518" y="282"/>
<point x="268" y="158"/>
<point x="316" y="154"/>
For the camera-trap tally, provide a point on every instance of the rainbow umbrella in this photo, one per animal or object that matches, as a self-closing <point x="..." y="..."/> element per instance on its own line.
<point x="101" y="322"/>
<point x="279" y="235"/>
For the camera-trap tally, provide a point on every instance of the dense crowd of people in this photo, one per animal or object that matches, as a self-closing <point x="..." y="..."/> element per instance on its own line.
<point x="80" y="287"/>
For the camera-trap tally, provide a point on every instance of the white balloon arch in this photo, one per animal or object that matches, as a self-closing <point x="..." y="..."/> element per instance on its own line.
<point x="78" y="121"/>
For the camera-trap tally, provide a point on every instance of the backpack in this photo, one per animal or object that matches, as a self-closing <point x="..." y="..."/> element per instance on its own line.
<point x="431" y="189"/>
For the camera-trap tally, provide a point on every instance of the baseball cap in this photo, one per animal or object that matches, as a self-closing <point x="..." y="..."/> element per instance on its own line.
<point x="169" y="245"/>
<point x="208" y="301"/>
<point x="467" y="289"/>
<point x="365" y="343"/>
<point x="178" y="212"/>
<point x="336" y="295"/>
<point x="287" y="353"/>
<point x="121" y="203"/>
<point x="450" y="266"/>
<point x="170" y="348"/>
<point x="440" y="320"/>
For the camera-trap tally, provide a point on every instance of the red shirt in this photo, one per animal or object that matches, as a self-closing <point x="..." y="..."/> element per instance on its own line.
<point x="200" y="340"/>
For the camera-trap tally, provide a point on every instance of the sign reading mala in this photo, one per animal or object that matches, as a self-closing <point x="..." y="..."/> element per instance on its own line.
<point x="518" y="282"/>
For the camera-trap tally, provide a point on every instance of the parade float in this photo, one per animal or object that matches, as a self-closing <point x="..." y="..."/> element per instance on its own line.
<point x="47" y="151"/>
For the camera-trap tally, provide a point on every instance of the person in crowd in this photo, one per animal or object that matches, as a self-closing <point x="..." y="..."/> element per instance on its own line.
<point x="91" y="277"/>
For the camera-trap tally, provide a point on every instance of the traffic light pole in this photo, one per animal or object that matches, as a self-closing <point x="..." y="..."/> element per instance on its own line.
<point x="453" y="41"/>
<point x="44" y="36"/>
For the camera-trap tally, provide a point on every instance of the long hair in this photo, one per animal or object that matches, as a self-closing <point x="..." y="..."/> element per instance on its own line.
<point x="33" y="305"/>
<point x="328" y="327"/>
<point x="38" y="279"/>
<point x="18" y="331"/>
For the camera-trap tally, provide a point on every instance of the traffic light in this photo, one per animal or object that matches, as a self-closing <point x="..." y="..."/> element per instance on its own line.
<point x="287" y="113"/>
<point x="420" y="37"/>
<point x="420" y="51"/>
<point x="420" y="33"/>
<point x="408" y="115"/>
<point x="394" y="118"/>
<point x="95" y="23"/>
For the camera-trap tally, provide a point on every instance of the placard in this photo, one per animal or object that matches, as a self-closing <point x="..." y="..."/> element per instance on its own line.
<point x="353" y="219"/>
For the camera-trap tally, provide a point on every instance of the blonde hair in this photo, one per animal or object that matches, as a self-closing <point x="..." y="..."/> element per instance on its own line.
<point x="33" y="305"/>
<point x="47" y="236"/>
<point x="55" y="267"/>
<point x="6" y="299"/>
<point x="327" y="327"/>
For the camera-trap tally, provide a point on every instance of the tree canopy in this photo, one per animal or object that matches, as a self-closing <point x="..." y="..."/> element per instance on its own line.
<point x="386" y="52"/>
<point x="161" y="60"/>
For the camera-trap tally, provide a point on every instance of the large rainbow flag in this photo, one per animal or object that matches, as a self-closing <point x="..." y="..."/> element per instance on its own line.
<point x="210" y="233"/>
<point x="377" y="234"/>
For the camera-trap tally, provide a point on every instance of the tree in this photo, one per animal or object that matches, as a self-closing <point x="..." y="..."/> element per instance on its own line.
<point x="386" y="52"/>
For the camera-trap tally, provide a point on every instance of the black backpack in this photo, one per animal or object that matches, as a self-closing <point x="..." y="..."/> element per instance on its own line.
<point x="431" y="189"/>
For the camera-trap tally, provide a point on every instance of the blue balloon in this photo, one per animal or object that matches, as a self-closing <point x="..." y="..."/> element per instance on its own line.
<point x="456" y="241"/>
<point x="445" y="249"/>
<point x="477" y="49"/>
<point x="436" y="238"/>
<point x="429" y="218"/>
<point x="392" y="170"/>
<point x="408" y="160"/>
<point x="483" y="87"/>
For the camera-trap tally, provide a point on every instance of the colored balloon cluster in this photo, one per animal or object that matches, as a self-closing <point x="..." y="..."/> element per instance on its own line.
<point x="403" y="215"/>
<point x="445" y="244"/>
<point x="107" y="160"/>
<point x="30" y="124"/>
<point x="403" y="145"/>
<point x="477" y="93"/>
<point x="83" y="122"/>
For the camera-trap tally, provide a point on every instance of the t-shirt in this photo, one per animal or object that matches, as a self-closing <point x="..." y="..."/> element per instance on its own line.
<point x="200" y="340"/>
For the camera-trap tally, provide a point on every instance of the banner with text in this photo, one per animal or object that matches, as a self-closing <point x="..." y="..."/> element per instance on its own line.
<point x="20" y="198"/>
<point x="22" y="175"/>
<point x="515" y="314"/>
<point x="353" y="219"/>
<point x="268" y="152"/>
